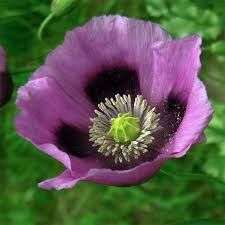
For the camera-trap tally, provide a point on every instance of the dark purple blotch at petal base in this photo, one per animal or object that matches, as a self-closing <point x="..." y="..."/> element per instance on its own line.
<point x="6" y="86"/>
<point x="107" y="56"/>
<point x="73" y="140"/>
<point x="112" y="81"/>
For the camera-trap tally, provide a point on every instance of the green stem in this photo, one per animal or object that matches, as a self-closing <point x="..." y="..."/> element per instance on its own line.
<point x="44" y="24"/>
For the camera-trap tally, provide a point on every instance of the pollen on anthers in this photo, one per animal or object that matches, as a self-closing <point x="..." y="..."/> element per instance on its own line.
<point x="123" y="129"/>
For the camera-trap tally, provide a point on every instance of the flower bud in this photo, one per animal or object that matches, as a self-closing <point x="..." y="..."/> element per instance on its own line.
<point x="58" y="7"/>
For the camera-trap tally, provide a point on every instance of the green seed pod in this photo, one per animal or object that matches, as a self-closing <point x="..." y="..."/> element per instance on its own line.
<point x="125" y="128"/>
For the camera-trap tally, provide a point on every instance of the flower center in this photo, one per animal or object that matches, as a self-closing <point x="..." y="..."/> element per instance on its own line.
<point x="125" y="128"/>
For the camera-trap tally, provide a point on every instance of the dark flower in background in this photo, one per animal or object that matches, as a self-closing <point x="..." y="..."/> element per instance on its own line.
<point x="6" y="86"/>
<point x="116" y="100"/>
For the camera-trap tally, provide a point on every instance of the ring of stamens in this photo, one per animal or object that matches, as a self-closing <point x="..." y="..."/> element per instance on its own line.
<point x="101" y="125"/>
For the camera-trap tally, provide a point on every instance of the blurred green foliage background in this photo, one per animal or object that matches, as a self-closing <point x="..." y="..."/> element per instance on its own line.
<point x="190" y="188"/>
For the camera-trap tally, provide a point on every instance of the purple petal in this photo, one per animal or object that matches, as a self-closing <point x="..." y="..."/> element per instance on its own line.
<point x="197" y="116"/>
<point x="103" y="42"/>
<point x="172" y="70"/>
<point x="64" y="180"/>
<point x="133" y="176"/>
<point x="44" y="105"/>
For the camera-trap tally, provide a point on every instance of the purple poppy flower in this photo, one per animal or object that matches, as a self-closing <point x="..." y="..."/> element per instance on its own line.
<point x="116" y="100"/>
<point x="6" y="86"/>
